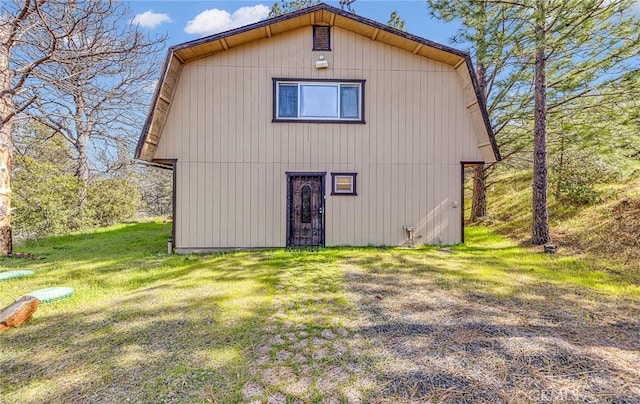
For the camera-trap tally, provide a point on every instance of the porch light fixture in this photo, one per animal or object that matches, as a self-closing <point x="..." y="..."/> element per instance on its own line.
<point x="322" y="63"/>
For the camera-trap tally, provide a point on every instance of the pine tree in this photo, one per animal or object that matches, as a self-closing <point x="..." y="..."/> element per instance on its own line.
<point x="575" y="49"/>
<point x="489" y="32"/>
<point x="287" y="6"/>
<point x="395" y="21"/>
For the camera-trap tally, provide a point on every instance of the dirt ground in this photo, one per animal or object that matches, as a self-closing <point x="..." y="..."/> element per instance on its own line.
<point x="439" y="341"/>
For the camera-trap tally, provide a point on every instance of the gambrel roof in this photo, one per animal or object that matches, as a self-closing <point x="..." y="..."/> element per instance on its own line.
<point x="321" y="13"/>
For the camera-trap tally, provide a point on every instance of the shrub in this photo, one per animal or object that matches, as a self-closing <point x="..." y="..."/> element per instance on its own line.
<point x="111" y="201"/>
<point x="44" y="198"/>
<point x="575" y="174"/>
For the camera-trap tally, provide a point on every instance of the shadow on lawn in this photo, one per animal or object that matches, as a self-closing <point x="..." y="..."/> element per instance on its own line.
<point x="186" y="328"/>
<point x="451" y="336"/>
<point x="178" y="328"/>
<point x="172" y="338"/>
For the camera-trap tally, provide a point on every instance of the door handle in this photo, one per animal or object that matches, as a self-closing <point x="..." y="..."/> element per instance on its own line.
<point x="320" y="210"/>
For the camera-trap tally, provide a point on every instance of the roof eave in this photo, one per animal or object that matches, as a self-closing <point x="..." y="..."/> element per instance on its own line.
<point x="483" y="109"/>
<point x="173" y="53"/>
<point x="152" y="106"/>
<point x="313" y="9"/>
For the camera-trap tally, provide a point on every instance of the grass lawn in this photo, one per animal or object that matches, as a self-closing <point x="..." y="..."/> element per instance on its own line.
<point x="489" y="320"/>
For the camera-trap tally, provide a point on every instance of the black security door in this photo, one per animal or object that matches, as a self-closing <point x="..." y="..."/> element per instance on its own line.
<point x="305" y="209"/>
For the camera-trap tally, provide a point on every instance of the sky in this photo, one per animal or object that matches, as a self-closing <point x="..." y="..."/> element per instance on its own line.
<point x="187" y="20"/>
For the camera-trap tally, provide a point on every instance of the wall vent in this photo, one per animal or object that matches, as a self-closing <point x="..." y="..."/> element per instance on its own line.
<point x="321" y="38"/>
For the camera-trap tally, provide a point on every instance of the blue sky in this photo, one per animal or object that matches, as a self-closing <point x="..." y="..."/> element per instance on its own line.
<point x="187" y="20"/>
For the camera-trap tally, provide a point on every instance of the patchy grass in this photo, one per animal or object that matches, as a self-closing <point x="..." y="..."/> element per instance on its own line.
<point x="608" y="230"/>
<point x="490" y="321"/>
<point x="147" y="327"/>
<point x="495" y="323"/>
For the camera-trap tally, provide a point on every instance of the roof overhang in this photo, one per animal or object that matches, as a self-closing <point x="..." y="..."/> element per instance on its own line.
<point x="319" y="14"/>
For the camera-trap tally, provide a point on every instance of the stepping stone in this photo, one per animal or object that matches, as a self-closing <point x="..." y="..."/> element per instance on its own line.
<point x="51" y="294"/>
<point x="251" y="390"/>
<point x="328" y="334"/>
<point x="277" y="398"/>
<point x="320" y="354"/>
<point x="17" y="273"/>
<point x="342" y="332"/>
<point x="283" y="356"/>
<point x="300" y="345"/>
<point x="277" y="340"/>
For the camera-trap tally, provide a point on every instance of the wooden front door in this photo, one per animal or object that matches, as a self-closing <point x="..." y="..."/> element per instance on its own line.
<point x="305" y="209"/>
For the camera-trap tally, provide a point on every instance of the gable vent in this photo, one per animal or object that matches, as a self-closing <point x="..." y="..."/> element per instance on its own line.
<point x="321" y="38"/>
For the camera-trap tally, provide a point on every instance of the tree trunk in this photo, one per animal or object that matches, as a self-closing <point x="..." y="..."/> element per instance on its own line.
<point x="6" y="242"/>
<point x="479" y="200"/>
<point x="82" y="172"/>
<point x="18" y="312"/>
<point x="6" y="145"/>
<point x="540" y="211"/>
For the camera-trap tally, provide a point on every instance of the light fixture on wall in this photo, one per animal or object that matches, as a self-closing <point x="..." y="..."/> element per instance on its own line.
<point x="409" y="233"/>
<point x="322" y="63"/>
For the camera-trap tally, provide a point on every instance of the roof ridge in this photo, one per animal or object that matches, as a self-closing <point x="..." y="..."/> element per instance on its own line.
<point x="174" y="50"/>
<point x="309" y="10"/>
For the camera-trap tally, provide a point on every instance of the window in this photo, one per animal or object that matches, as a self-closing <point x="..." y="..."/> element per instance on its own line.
<point x="306" y="204"/>
<point x="343" y="183"/>
<point x="321" y="38"/>
<point x="318" y="100"/>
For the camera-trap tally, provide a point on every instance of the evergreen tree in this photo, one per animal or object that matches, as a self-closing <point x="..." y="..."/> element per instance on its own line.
<point x="490" y="32"/>
<point x="580" y="48"/>
<point x="395" y="21"/>
<point x="574" y="49"/>
<point x="287" y="6"/>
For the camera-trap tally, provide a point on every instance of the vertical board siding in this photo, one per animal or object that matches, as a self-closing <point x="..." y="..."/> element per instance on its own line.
<point x="232" y="160"/>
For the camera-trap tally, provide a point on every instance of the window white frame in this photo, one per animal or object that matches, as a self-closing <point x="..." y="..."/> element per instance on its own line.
<point x="336" y="182"/>
<point x="306" y="84"/>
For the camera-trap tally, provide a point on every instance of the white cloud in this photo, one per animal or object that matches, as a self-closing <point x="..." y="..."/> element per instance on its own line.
<point x="215" y="20"/>
<point x="150" y="20"/>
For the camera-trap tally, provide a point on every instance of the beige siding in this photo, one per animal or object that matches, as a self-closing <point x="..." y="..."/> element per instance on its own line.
<point x="232" y="160"/>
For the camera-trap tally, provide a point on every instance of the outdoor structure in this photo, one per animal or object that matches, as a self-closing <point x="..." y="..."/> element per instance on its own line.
<point x="318" y="127"/>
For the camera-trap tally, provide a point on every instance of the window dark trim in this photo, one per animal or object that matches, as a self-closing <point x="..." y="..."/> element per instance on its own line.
<point x="355" y="184"/>
<point x="274" y="94"/>
<point x="315" y="46"/>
